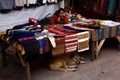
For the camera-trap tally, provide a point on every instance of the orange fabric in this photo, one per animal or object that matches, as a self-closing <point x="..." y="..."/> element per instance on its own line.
<point x="55" y="20"/>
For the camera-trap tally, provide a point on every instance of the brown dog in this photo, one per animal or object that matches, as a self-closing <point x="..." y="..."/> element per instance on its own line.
<point x="63" y="63"/>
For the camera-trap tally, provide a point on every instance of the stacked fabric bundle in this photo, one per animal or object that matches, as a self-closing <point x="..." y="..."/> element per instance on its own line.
<point x="32" y="45"/>
<point x="71" y="39"/>
<point x="83" y="39"/>
<point x="107" y="29"/>
<point x="71" y="42"/>
<point x="60" y="46"/>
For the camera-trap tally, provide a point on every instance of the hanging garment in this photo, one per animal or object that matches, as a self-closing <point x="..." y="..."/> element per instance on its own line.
<point x="44" y="1"/>
<point x="6" y="4"/>
<point x="19" y="3"/>
<point x="56" y="1"/>
<point x="31" y="2"/>
<point x="112" y="7"/>
<point x="39" y="2"/>
<point x="25" y="1"/>
<point x="118" y="8"/>
<point x="49" y="1"/>
<point x="52" y="1"/>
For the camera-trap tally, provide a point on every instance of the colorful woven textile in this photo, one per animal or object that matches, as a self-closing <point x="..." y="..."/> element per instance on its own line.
<point x="71" y="42"/>
<point x="83" y="39"/>
<point x="105" y="32"/>
<point x="73" y="39"/>
<point x="70" y="38"/>
<point x="32" y="45"/>
<point x="102" y="33"/>
<point x="60" y="46"/>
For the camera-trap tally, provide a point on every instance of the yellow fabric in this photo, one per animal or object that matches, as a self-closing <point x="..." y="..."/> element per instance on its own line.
<point x="2" y="35"/>
<point x="19" y="47"/>
<point x="15" y="44"/>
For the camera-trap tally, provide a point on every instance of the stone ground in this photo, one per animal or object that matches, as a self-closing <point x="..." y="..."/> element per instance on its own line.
<point x="106" y="67"/>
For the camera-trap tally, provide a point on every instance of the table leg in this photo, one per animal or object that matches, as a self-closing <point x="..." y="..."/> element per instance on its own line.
<point x="118" y="38"/>
<point x="99" y="46"/>
<point x="95" y="48"/>
<point x="28" y="71"/>
<point x="25" y="65"/>
<point x="4" y="47"/>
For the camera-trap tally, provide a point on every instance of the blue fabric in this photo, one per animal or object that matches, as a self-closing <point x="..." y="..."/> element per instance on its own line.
<point x="102" y="35"/>
<point x="6" y="4"/>
<point x="42" y="45"/>
<point x="99" y="34"/>
<point x="90" y="34"/>
<point x="110" y="31"/>
<point x="22" y="33"/>
<point x="117" y="30"/>
<point x="32" y="50"/>
<point x="21" y="26"/>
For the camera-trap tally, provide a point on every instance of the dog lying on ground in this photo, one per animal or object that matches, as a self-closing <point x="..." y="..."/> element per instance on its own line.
<point x="64" y="63"/>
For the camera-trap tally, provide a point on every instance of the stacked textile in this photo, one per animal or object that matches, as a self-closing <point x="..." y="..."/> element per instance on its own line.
<point x="60" y="46"/>
<point x="82" y="39"/>
<point x="32" y="45"/>
<point x="72" y="39"/>
<point x="111" y="29"/>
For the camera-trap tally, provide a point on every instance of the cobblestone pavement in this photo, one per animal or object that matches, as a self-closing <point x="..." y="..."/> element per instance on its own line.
<point x="106" y="67"/>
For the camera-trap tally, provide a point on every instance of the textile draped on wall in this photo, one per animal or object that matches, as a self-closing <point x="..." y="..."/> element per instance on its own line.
<point x="110" y="7"/>
<point x="7" y="21"/>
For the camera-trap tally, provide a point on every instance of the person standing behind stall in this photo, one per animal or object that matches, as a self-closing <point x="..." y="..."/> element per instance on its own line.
<point x="59" y="17"/>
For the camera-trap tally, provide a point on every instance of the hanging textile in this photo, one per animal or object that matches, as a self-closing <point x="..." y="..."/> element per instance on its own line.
<point x="6" y="4"/>
<point x="112" y="7"/>
<point x="19" y="3"/>
<point x="31" y="2"/>
<point x="7" y="21"/>
<point x="118" y="8"/>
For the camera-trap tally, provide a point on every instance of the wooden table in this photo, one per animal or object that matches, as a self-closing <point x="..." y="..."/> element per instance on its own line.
<point x="20" y="60"/>
<point x="83" y="39"/>
<point x="98" y="37"/>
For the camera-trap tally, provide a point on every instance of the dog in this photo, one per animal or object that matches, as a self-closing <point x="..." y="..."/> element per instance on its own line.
<point x="64" y="63"/>
<point x="78" y="59"/>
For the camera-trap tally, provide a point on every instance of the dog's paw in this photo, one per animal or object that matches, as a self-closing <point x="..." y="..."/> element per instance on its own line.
<point x="72" y="69"/>
<point x="82" y="62"/>
<point x="65" y="70"/>
<point x="72" y="66"/>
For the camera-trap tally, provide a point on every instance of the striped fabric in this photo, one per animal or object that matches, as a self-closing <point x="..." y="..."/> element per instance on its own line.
<point x="105" y="32"/>
<point x="83" y="38"/>
<point x="71" y="43"/>
<point x="70" y="37"/>
<point x="60" y="46"/>
<point x="75" y="40"/>
<point x="31" y="42"/>
<point x="83" y="41"/>
<point x="102" y="33"/>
